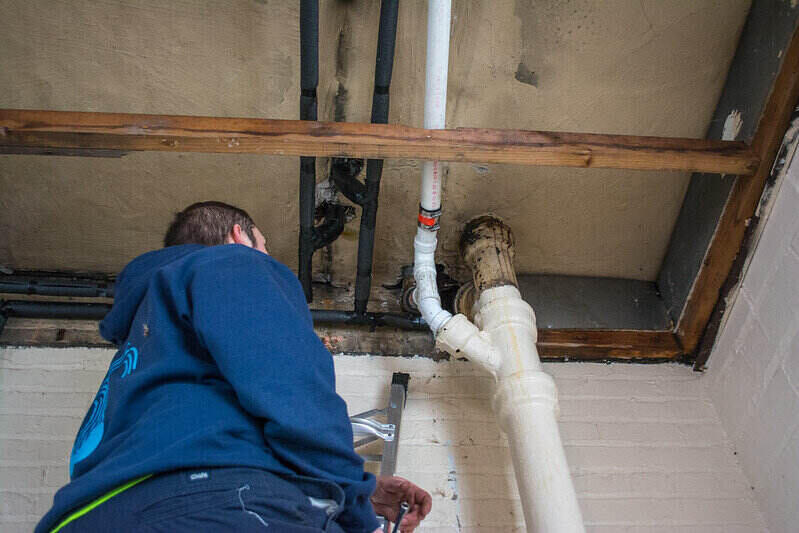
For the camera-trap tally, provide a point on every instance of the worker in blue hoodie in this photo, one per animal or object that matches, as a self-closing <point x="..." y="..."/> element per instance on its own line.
<point x="219" y="410"/>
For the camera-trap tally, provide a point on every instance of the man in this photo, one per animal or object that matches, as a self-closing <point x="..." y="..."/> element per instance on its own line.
<point x="219" y="411"/>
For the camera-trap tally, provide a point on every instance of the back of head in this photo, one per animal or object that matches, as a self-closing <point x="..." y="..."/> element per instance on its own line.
<point x="207" y="223"/>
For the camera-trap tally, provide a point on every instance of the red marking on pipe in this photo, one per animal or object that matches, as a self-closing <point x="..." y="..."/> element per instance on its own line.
<point x="427" y="221"/>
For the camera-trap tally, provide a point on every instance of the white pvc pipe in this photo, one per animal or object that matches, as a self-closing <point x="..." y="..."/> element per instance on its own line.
<point x="439" y="14"/>
<point x="525" y="401"/>
<point x="459" y="336"/>
<point x="526" y="407"/>
<point x="526" y="404"/>
<point x="424" y="272"/>
<point x="526" y="398"/>
<point x="435" y="109"/>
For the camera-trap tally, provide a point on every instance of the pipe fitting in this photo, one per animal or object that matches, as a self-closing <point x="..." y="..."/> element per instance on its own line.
<point x="424" y="272"/>
<point x="465" y="299"/>
<point x="504" y="307"/>
<point x="460" y="337"/>
<point x="536" y="388"/>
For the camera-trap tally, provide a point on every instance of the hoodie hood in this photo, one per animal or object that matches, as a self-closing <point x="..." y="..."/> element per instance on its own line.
<point x="131" y="286"/>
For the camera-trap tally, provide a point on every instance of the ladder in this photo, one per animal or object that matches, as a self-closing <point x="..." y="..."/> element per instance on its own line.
<point x="368" y="427"/>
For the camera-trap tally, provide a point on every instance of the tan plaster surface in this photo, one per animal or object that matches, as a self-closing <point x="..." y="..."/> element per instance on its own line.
<point x="642" y="67"/>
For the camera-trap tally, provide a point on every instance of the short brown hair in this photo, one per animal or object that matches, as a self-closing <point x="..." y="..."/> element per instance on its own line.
<point x="207" y="223"/>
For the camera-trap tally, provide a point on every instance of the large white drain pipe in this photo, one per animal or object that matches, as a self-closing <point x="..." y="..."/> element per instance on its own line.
<point x="525" y="398"/>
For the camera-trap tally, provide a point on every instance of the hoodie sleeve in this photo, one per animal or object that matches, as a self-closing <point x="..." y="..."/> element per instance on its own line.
<point x="245" y="312"/>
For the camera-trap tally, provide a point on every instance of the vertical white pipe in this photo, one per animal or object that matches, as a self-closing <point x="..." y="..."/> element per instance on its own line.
<point x="435" y="110"/>
<point x="526" y="398"/>
<point x="431" y="185"/>
<point x="435" y="92"/>
<point x="424" y="272"/>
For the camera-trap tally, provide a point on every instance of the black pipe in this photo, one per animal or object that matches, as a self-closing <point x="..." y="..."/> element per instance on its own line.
<point x="386" y="39"/>
<point x="53" y="287"/>
<point x="352" y="318"/>
<point x="31" y="309"/>
<point x="97" y="311"/>
<point x="309" y="79"/>
<point x="344" y="172"/>
<point x="333" y="225"/>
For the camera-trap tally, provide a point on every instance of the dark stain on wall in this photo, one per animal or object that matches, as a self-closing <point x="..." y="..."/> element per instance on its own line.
<point x="525" y="75"/>
<point x="342" y="95"/>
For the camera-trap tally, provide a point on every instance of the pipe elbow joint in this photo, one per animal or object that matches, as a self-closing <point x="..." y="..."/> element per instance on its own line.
<point x="437" y="318"/>
<point x="429" y="304"/>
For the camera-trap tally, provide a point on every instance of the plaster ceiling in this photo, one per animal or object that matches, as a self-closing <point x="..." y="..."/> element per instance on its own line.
<point x="640" y="67"/>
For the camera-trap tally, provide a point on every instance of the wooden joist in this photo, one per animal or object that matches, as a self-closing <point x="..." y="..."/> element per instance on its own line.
<point x="553" y="344"/>
<point x="36" y="130"/>
<point x="607" y="345"/>
<point x="742" y="202"/>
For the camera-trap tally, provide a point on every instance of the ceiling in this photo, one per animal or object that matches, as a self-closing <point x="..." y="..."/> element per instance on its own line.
<point x="639" y="67"/>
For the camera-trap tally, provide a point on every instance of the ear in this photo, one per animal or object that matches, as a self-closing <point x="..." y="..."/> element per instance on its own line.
<point x="237" y="236"/>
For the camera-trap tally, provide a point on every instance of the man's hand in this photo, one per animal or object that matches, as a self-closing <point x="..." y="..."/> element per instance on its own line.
<point x="388" y="494"/>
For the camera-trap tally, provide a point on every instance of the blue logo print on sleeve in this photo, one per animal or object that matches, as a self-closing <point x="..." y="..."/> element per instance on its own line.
<point x="91" y="433"/>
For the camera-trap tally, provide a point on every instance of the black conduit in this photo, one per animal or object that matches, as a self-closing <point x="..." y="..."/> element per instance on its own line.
<point x="27" y="309"/>
<point x="344" y="172"/>
<point x="52" y="287"/>
<point x="97" y="311"/>
<point x="386" y="39"/>
<point x="332" y="316"/>
<point x="309" y="79"/>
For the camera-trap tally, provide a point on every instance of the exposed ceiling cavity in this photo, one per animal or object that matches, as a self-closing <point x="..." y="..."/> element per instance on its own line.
<point x="639" y="67"/>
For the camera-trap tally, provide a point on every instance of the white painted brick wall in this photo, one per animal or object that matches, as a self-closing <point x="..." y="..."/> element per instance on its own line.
<point x="753" y="371"/>
<point x="646" y="448"/>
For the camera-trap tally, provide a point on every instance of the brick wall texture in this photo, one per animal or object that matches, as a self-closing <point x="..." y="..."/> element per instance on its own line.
<point x="753" y="371"/>
<point x="646" y="447"/>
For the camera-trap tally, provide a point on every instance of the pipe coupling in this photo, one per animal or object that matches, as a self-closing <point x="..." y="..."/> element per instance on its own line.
<point x="530" y="389"/>
<point x="428" y="219"/>
<point x="504" y="312"/>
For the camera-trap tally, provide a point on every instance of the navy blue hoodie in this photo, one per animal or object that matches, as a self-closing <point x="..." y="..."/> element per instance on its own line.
<point x="218" y="365"/>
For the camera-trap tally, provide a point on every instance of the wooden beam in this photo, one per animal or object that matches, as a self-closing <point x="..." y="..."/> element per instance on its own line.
<point x="742" y="202"/>
<point x="554" y="345"/>
<point x="610" y="345"/>
<point x="165" y="133"/>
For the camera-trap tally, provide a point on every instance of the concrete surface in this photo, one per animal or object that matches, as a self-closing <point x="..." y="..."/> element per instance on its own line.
<point x="642" y="67"/>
